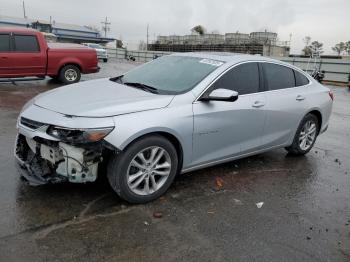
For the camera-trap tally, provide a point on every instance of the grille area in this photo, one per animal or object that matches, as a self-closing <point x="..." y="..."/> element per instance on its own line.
<point x="31" y="123"/>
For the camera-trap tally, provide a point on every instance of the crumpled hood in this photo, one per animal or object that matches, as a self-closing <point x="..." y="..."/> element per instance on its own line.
<point x="100" y="98"/>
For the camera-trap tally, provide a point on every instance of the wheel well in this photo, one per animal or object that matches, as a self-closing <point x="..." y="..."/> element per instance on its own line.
<point x="173" y="139"/>
<point x="319" y="118"/>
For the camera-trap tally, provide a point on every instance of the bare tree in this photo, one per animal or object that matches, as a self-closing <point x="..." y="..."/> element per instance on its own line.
<point x="316" y="48"/>
<point x="339" y="48"/>
<point x="347" y="47"/>
<point x="119" y="43"/>
<point x="199" y="29"/>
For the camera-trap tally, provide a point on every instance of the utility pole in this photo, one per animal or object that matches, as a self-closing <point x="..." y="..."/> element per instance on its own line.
<point x="24" y="10"/>
<point x="105" y="26"/>
<point x="147" y="37"/>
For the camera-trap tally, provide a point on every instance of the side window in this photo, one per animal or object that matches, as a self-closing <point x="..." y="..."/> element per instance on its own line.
<point x="243" y="78"/>
<point x="4" y="42"/>
<point x="278" y="76"/>
<point x="300" y="79"/>
<point x="26" y="43"/>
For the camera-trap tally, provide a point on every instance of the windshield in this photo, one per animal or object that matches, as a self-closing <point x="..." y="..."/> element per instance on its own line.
<point x="172" y="74"/>
<point x="96" y="46"/>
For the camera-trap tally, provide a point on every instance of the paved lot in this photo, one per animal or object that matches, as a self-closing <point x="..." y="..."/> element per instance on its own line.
<point x="208" y="215"/>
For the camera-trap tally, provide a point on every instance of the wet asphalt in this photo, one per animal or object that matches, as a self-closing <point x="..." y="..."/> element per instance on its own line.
<point x="207" y="215"/>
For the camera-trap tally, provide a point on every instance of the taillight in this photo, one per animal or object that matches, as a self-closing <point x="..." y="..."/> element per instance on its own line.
<point x="331" y="95"/>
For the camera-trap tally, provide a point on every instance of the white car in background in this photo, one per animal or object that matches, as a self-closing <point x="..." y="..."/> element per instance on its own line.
<point x="100" y="50"/>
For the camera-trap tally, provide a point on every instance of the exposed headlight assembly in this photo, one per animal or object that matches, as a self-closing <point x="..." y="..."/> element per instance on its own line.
<point x="79" y="136"/>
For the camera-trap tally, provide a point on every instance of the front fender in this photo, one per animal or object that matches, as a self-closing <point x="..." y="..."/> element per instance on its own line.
<point x="177" y="122"/>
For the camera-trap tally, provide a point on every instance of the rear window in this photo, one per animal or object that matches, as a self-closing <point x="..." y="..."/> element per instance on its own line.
<point x="4" y="42"/>
<point x="278" y="76"/>
<point x="300" y="79"/>
<point x="26" y="43"/>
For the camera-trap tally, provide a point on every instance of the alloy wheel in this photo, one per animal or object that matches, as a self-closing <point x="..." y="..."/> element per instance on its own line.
<point x="307" y="135"/>
<point x="149" y="170"/>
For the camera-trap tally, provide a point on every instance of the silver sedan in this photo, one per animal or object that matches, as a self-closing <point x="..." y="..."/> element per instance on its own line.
<point x="173" y="115"/>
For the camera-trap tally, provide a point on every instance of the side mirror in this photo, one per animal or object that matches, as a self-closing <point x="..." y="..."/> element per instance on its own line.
<point x="221" y="94"/>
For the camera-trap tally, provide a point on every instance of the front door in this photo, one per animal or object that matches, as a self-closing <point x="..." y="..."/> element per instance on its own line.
<point x="226" y="129"/>
<point x="28" y="59"/>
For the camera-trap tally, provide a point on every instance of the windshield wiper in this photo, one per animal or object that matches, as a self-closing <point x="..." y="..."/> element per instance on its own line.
<point x="118" y="79"/>
<point x="143" y="87"/>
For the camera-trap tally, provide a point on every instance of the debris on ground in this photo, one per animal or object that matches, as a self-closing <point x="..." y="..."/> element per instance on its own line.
<point x="175" y="195"/>
<point x="146" y="223"/>
<point x="308" y="238"/>
<point x="157" y="214"/>
<point x="219" y="182"/>
<point x="237" y="201"/>
<point x="259" y="205"/>
<point x="211" y="212"/>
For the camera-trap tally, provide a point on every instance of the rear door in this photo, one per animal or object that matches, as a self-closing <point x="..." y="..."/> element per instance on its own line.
<point x="286" y="103"/>
<point x="227" y="129"/>
<point x="5" y="55"/>
<point x="29" y="59"/>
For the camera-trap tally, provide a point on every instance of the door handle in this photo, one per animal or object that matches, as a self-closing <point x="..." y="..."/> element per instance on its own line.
<point x="258" y="104"/>
<point x="4" y="57"/>
<point x="300" y="98"/>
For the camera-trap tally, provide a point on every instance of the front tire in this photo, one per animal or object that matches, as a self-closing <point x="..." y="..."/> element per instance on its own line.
<point x="305" y="136"/>
<point x="70" y="74"/>
<point x="145" y="170"/>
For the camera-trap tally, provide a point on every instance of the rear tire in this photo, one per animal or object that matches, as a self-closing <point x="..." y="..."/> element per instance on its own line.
<point x="150" y="176"/>
<point x="306" y="136"/>
<point x="69" y="74"/>
<point x="105" y="60"/>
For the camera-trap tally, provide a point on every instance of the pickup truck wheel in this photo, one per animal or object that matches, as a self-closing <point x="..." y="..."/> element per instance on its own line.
<point x="105" y="60"/>
<point x="69" y="74"/>
<point x="144" y="171"/>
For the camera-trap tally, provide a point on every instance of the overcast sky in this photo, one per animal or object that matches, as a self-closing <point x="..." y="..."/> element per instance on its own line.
<point x="324" y="20"/>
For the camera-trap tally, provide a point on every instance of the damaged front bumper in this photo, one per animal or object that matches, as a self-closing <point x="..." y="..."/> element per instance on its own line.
<point x="46" y="159"/>
<point x="43" y="161"/>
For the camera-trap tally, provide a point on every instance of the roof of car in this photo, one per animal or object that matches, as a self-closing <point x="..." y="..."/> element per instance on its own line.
<point x="17" y="29"/>
<point x="225" y="57"/>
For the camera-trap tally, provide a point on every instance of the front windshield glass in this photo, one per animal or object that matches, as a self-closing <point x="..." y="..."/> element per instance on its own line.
<point x="96" y="46"/>
<point x="172" y="74"/>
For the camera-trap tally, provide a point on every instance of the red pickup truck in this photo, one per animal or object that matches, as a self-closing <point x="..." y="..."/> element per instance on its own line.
<point x="25" y="53"/>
